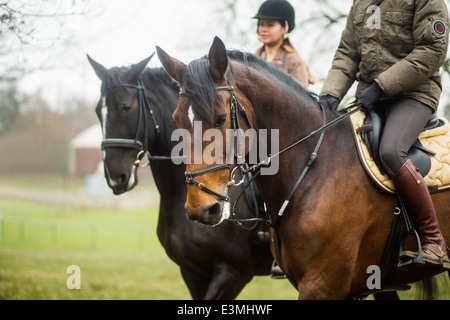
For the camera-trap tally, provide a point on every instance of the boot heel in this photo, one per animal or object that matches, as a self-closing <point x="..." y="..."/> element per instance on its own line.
<point x="412" y="259"/>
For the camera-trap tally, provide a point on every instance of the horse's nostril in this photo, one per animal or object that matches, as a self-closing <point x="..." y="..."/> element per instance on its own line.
<point x="120" y="180"/>
<point x="215" y="210"/>
<point x="210" y="215"/>
<point x="191" y="215"/>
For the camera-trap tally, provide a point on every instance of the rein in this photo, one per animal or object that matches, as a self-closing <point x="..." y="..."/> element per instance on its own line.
<point x="312" y="158"/>
<point x="322" y="129"/>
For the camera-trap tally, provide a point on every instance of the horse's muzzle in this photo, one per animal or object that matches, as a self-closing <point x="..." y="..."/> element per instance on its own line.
<point x="121" y="182"/>
<point x="212" y="215"/>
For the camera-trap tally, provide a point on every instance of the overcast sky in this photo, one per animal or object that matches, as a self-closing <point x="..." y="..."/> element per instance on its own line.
<point x="127" y="32"/>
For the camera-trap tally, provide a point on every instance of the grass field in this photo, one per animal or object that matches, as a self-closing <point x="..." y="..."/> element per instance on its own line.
<point x="116" y="249"/>
<point x="125" y="261"/>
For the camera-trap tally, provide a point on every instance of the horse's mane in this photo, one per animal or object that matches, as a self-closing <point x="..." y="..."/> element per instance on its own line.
<point x="200" y="85"/>
<point x="117" y="76"/>
<point x="275" y="74"/>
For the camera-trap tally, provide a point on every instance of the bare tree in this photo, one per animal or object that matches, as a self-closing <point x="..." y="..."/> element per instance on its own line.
<point x="9" y="107"/>
<point x="28" y="28"/>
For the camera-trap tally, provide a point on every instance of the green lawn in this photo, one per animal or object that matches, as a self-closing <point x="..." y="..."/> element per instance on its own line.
<point x="116" y="249"/>
<point x="121" y="259"/>
<point x="42" y="275"/>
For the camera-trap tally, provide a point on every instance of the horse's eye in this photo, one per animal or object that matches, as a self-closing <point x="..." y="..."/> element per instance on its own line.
<point x="125" y="108"/>
<point x="220" y="120"/>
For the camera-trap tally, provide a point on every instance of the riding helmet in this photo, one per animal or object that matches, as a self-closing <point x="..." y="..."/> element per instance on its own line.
<point x="280" y="10"/>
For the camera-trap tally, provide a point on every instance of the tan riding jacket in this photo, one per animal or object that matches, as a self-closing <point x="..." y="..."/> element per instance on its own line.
<point x="288" y="60"/>
<point x="400" y="44"/>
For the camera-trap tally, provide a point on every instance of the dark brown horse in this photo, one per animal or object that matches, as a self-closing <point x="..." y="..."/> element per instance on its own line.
<point x="135" y="110"/>
<point x="337" y="222"/>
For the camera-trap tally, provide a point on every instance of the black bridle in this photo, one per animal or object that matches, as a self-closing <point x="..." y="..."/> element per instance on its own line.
<point x="144" y="111"/>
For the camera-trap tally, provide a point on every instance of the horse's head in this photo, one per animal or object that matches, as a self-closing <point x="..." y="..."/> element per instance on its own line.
<point x="203" y="114"/>
<point x="122" y="111"/>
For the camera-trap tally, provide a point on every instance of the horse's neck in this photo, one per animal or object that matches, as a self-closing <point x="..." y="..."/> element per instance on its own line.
<point x="294" y="119"/>
<point x="169" y="178"/>
<point x="166" y="98"/>
<point x="279" y="109"/>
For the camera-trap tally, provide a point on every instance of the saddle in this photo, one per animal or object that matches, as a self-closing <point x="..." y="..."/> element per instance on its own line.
<point x="372" y="131"/>
<point x="430" y="153"/>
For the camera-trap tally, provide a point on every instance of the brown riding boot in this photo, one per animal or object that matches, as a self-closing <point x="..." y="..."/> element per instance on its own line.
<point x="412" y="188"/>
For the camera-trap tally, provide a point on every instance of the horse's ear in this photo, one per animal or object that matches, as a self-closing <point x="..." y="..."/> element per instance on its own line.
<point x="218" y="59"/>
<point x="175" y="68"/>
<point x="137" y="68"/>
<point x="98" y="68"/>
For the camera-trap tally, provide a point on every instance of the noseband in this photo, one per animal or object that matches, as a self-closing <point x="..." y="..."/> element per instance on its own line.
<point x="144" y="110"/>
<point x="190" y="179"/>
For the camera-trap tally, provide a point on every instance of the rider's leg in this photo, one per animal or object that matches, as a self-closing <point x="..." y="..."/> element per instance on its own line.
<point x="405" y="119"/>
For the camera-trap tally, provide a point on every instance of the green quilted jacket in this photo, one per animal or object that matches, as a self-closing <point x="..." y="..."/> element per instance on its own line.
<point x="400" y="44"/>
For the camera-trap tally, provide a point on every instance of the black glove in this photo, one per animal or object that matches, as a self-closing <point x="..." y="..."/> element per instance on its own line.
<point x="329" y="102"/>
<point x="369" y="96"/>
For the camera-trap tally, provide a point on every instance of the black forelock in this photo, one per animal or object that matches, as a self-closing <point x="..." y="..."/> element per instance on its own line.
<point x="114" y="77"/>
<point x="200" y="87"/>
<point x="117" y="76"/>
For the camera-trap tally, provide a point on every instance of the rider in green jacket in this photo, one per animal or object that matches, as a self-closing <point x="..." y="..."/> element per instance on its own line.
<point x="394" y="49"/>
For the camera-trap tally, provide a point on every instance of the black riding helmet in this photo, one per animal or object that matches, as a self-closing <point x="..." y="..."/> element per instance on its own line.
<point x="280" y="10"/>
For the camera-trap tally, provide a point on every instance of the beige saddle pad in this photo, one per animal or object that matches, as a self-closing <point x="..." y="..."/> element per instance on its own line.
<point x="437" y="140"/>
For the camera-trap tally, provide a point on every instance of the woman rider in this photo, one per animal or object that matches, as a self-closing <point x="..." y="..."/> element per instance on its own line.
<point x="276" y="19"/>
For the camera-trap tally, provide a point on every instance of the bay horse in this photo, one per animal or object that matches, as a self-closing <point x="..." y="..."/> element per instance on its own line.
<point x="135" y="111"/>
<point x="335" y="225"/>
